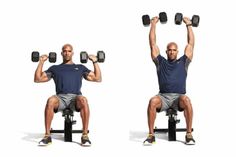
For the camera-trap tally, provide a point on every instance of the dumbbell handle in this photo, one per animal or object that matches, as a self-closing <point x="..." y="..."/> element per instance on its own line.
<point x="93" y="58"/>
<point x="43" y="58"/>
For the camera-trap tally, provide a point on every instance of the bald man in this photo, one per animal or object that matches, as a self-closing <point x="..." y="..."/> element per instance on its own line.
<point x="68" y="81"/>
<point x="172" y="74"/>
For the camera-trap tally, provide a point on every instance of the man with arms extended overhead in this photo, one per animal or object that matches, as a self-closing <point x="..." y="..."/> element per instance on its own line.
<point x="172" y="74"/>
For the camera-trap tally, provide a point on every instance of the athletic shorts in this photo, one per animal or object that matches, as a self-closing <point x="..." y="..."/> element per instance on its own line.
<point x="67" y="101"/>
<point x="169" y="100"/>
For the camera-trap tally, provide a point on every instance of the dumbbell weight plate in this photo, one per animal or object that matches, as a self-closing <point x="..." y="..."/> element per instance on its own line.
<point x="35" y="56"/>
<point x="146" y="20"/>
<point x="83" y="57"/>
<point x="52" y="57"/>
<point x="178" y="18"/>
<point x="163" y="17"/>
<point x="195" y="20"/>
<point x="101" y="56"/>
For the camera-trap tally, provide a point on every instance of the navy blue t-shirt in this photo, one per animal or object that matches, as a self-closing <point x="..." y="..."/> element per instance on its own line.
<point x="68" y="77"/>
<point x="172" y="74"/>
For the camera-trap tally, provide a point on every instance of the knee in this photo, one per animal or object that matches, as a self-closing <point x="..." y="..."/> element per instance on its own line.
<point x="154" y="102"/>
<point x="81" y="101"/>
<point x="185" y="101"/>
<point x="51" y="102"/>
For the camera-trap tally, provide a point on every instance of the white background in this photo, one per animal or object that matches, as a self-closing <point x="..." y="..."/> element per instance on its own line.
<point x="118" y="123"/>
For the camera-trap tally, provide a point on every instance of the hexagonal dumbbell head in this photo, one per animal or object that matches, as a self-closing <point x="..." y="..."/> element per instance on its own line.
<point x="101" y="56"/>
<point x="163" y="17"/>
<point x="178" y="18"/>
<point x="195" y="20"/>
<point x="83" y="57"/>
<point x="146" y="20"/>
<point x="35" y="56"/>
<point x="52" y="57"/>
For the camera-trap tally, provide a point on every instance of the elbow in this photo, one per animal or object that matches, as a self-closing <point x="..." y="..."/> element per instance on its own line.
<point x="98" y="80"/>
<point x="36" y="80"/>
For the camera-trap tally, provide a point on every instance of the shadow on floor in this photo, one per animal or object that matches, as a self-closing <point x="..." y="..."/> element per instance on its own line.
<point x="140" y="136"/>
<point x="36" y="137"/>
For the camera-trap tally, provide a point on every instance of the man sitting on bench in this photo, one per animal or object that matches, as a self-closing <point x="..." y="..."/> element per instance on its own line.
<point x="68" y="80"/>
<point x="172" y="74"/>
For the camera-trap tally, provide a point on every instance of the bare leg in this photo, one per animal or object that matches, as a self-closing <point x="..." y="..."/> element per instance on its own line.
<point x="52" y="104"/>
<point x="154" y="104"/>
<point x="185" y="104"/>
<point x="82" y="104"/>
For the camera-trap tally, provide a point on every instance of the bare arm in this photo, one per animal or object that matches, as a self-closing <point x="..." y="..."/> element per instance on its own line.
<point x="39" y="75"/>
<point x="190" y="37"/>
<point x="152" y="38"/>
<point x="95" y="75"/>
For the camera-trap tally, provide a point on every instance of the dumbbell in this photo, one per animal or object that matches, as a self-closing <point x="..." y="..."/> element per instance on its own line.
<point x="84" y="56"/>
<point x="162" y="16"/>
<point x="52" y="57"/>
<point x="179" y="18"/>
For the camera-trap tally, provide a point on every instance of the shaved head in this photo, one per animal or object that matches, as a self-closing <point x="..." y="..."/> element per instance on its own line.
<point x="67" y="45"/>
<point x="170" y="44"/>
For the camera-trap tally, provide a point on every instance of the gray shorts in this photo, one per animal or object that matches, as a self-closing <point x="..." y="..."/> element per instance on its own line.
<point x="170" y="100"/>
<point x="67" y="101"/>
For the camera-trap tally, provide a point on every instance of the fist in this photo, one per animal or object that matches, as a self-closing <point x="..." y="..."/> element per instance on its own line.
<point x="43" y="58"/>
<point x="187" y="21"/>
<point x="154" y="20"/>
<point x="93" y="58"/>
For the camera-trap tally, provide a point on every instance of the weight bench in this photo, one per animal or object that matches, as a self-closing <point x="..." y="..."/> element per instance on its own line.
<point x="68" y="122"/>
<point x="172" y="121"/>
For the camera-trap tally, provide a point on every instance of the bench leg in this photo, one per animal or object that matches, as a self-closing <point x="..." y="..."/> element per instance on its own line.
<point x="68" y="130"/>
<point x="171" y="129"/>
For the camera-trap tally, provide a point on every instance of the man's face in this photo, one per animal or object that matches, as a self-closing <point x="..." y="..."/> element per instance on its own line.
<point x="172" y="52"/>
<point x="67" y="53"/>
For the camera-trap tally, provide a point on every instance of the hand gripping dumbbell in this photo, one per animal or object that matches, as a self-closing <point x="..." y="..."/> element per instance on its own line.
<point x="179" y="18"/>
<point x="162" y="16"/>
<point x="52" y="57"/>
<point x="84" y="56"/>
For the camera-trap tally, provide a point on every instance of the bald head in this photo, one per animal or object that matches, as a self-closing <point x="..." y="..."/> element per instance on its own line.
<point x="172" y="44"/>
<point x="67" y="45"/>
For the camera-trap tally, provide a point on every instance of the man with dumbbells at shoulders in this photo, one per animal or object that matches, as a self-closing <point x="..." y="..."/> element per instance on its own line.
<point x="172" y="74"/>
<point x="68" y="81"/>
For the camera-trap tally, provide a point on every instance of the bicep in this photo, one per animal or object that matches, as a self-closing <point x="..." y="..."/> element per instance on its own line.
<point x="189" y="51"/>
<point x="44" y="77"/>
<point x="90" y="76"/>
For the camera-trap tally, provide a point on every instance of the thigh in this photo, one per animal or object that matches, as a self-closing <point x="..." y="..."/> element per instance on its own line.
<point x="80" y="101"/>
<point x="183" y="102"/>
<point x="165" y="102"/>
<point x="171" y="100"/>
<point x="53" y="102"/>
<point x="66" y="101"/>
<point x="62" y="103"/>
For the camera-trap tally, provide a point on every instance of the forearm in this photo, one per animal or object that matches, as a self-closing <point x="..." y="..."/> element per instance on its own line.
<point x="38" y="72"/>
<point x="190" y="36"/>
<point x="152" y="35"/>
<point x="97" y="73"/>
<point x="152" y="41"/>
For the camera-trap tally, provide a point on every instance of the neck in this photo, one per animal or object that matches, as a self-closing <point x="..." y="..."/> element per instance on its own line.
<point x="68" y="62"/>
